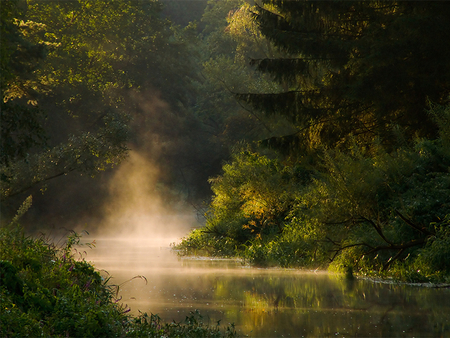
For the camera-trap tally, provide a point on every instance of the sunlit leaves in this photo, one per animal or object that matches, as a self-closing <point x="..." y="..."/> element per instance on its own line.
<point x="92" y="41"/>
<point x="366" y="208"/>
<point x="88" y="153"/>
<point x="75" y="60"/>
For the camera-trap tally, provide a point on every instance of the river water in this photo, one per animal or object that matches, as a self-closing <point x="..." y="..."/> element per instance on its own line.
<point x="268" y="302"/>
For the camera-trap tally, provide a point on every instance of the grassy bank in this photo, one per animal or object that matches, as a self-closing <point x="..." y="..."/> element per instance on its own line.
<point x="51" y="291"/>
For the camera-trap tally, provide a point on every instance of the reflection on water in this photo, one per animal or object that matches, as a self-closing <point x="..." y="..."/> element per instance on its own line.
<point x="269" y="302"/>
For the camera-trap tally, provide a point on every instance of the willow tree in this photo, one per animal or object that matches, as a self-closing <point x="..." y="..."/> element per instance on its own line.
<point x="357" y="68"/>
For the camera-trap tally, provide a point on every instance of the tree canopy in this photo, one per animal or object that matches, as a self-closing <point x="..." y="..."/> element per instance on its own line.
<point x="69" y="70"/>
<point x="354" y="67"/>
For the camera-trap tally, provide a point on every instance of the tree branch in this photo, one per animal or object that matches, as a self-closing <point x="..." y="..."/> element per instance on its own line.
<point x="377" y="229"/>
<point x="412" y="225"/>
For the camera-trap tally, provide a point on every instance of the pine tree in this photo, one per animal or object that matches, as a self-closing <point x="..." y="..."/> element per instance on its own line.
<point x="355" y="68"/>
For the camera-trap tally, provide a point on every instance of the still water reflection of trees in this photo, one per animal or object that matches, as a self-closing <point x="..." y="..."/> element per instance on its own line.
<point x="275" y="303"/>
<point x="280" y="303"/>
<point x="323" y="305"/>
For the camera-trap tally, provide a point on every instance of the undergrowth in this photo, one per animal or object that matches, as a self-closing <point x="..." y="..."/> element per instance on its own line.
<point x="51" y="291"/>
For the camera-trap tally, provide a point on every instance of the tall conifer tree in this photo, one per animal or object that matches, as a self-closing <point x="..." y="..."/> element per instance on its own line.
<point x="355" y="68"/>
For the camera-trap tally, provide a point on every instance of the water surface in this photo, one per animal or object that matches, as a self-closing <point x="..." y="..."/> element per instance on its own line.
<point x="268" y="302"/>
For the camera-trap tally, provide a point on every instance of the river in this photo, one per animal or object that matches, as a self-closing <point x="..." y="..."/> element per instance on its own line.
<point x="267" y="302"/>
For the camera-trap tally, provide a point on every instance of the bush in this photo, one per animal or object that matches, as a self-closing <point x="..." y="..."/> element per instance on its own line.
<point x="51" y="293"/>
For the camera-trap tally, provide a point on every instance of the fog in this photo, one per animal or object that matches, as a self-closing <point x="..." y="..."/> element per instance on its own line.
<point x="141" y="203"/>
<point x="149" y="197"/>
<point x="264" y="302"/>
<point x="135" y="209"/>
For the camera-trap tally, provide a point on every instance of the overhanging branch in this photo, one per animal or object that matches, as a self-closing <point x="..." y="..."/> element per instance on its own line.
<point x="422" y="229"/>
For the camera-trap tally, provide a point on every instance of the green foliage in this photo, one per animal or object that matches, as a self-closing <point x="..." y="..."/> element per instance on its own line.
<point x="97" y="61"/>
<point x="202" y="242"/>
<point x="229" y="37"/>
<point x="21" y="122"/>
<point x="252" y="202"/>
<point x="365" y="210"/>
<point x="255" y="189"/>
<point x="352" y="68"/>
<point x="433" y="259"/>
<point x="378" y="189"/>
<point x="357" y="178"/>
<point x="379" y="209"/>
<point x="67" y="109"/>
<point x="56" y="65"/>
<point x="441" y="116"/>
<point x="89" y="153"/>
<point x="47" y="292"/>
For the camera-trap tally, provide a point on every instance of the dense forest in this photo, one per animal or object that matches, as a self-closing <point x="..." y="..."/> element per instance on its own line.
<point x="307" y="134"/>
<point x="352" y="173"/>
<point x="349" y="168"/>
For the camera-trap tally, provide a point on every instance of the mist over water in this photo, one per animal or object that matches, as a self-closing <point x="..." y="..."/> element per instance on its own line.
<point x="136" y="211"/>
<point x="267" y="302"/>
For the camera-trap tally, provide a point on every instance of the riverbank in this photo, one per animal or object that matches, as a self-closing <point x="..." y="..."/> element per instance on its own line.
<point x="396" y="282"/>
<point x="376" y="211"/>
<point x="49" y="290"/>
<point x="345" y="274"/>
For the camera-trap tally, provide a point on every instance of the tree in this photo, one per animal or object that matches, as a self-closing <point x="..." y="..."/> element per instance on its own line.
<point x="229" y="39"/>
<point x="21" y="121"/>
<point x="365" y="190"/>
<point x="381" y="209"/>
<point x="79" y="82"/>
<point x="354" y="68"/>
<point x="102" y="63"/>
